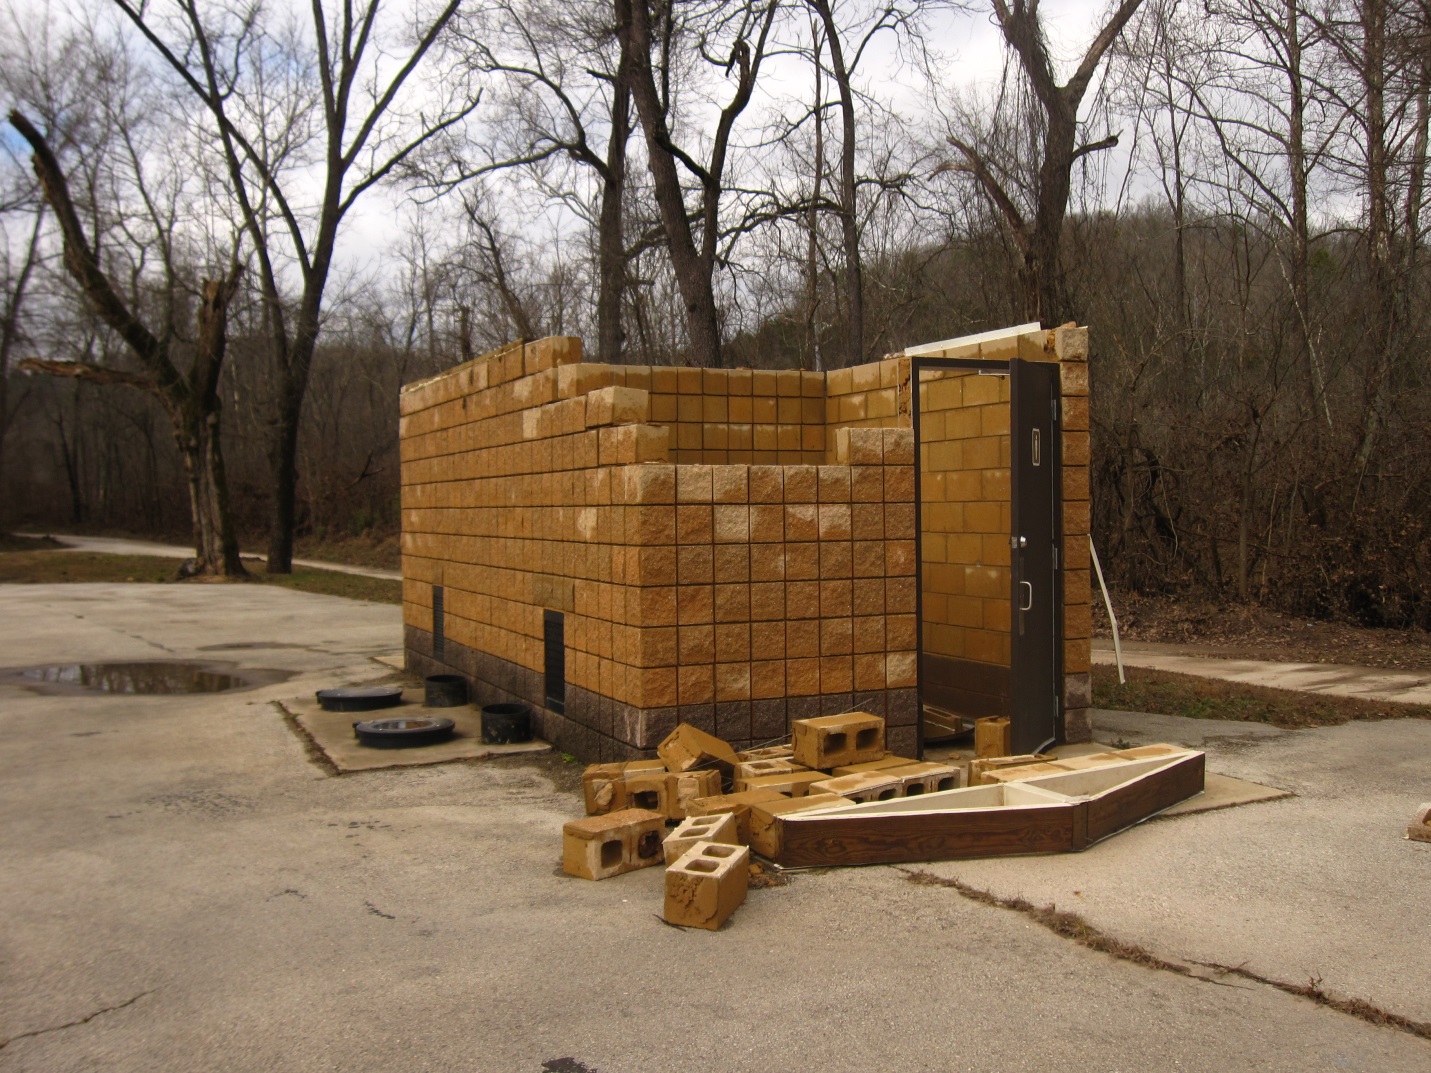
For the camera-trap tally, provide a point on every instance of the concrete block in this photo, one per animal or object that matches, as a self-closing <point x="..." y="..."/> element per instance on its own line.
<point x="600" y="847"/>
<point x="864" y="786"/>
<point x="1420" y="829"/>
<point x="888" y="760"/>
<point x="926" y="777"/>
<point x="738" y="805"/>
<point x="707" y="885"/>
<point x="1021" y="772"/>
<point x="683" y="787"/>
<point x="693" y="829"/>
<point x="751" y="769"/>
<point x="832" y="740"/>
<point x="770" y="752"/>
<point x="604" y="785"/>
<point x="992" y="737"/>
<point x="617" y="406"/>
<point x="687" y="747"/>
<point x="764" y="828"/>
<point x="794" y="783"/>
<point x="979" y="768"/>
<point x="649" y="790"/>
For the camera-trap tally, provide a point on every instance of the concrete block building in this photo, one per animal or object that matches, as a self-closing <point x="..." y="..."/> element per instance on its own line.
<point x="626" y="548"/>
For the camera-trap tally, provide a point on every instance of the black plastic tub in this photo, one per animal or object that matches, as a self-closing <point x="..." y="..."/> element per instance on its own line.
<point x="506" y="724"/>
<point x="402" y="732"/>
<point x="446" y="691"/>
<point x="359" y="698"/>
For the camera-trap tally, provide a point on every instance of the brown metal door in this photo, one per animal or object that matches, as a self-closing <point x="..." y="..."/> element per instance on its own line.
<point x="1036" y="619"/>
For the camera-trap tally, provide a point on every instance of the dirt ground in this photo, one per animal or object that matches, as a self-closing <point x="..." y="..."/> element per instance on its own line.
<point x="1235" y="631"/>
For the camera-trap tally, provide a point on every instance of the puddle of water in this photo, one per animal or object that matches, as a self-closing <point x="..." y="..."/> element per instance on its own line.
<point x="148" y="678"/>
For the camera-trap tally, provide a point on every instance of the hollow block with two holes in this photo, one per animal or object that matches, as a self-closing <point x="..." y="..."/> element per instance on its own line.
<point x="599" y="847"/>
<point x="830" y="740"/>
<point x="707" y="885"/>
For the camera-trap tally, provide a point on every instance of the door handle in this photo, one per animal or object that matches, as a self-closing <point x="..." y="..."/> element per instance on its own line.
<point x="1027" y="586"/>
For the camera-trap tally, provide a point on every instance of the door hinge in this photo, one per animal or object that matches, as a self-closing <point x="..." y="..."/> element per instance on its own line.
<point x="1055" y="407"/>
<point x="1055" y="556"/>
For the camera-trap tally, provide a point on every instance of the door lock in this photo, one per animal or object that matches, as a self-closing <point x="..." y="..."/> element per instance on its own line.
<point x="1018" y="542"/>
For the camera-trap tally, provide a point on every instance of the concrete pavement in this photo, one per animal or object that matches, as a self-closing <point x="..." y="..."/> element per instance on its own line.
<point x="124" y="546"/>
<point x="1333" y="679"/>
<point x="181" y="864"/>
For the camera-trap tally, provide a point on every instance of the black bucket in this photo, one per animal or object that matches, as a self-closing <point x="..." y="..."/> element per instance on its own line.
<point x="506" y="724"/>
<point x="446" y="691"/>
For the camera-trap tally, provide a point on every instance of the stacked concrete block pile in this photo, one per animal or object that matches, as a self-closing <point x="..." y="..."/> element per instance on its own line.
<point x="831" y="761"/>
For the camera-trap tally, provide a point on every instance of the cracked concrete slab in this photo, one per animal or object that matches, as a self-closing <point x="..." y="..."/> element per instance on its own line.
<point x="283" y="918"/>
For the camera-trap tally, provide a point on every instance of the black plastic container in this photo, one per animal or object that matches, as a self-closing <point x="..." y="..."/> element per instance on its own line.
<point x="402" y="733"/>
<point x="506" y="724"/>
<point x="446" y="691"/>
<point x="359" y="698"/>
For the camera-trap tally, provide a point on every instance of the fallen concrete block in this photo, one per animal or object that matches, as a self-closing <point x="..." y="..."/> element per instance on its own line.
<point x="687" y="747"/>
<point x="1420" y="829"/>
<point x="888" y="760"/>
<point x="765" y="831"/>
<point x="683" y="787"/>
<point x="1090" y="761"/>
<point x="925" y="777"/>
<point x="707" y="885"/>
<point x="863" y="786"/>
<point x="604" y="785"/>
<point x="600" y="847"/>
<point x="993" y="736"/>
<point x="752" y="769"/>
<point x="979" y="768"/>
<point x="794" y="783"/>
<point x="829" y="741"/>
<point x="1022" y="772"/>
<point x="693" y="829"/>
<point x="769" y="752"/>
<point x="650" y="790"/>
<point x="738" y="805"/>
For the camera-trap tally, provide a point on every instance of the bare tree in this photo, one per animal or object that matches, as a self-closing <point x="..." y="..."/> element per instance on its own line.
<point x="272" y="99"/>
<point x="1036" y="222"/>
<point x="190" y="398"/>
<point x="729" y="36"/>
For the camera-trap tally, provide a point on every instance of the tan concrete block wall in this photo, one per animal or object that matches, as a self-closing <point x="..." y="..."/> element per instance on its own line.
<point x="964" y="484"/>
<point x="1070" y="348"/>
<point x="875" y="395"/>
<point x="681" y="584"/>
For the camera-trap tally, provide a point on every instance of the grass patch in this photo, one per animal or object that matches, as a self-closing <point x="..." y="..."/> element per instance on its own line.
<point x="50" y="567"/>
<point x="1208" y="698"/>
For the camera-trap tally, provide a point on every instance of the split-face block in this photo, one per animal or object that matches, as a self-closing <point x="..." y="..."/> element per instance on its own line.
<point x="604" y="785"/>
<point x="832" y="740"/>
<point x="738" y="805"/>
<point x="750" y="769"/>
<point x="600" y="847"/>
<point x="688" y="747"/>
<point x="925" y="777"/>
<point x="794" y="783"/>
<point x="669" y="792"/>
<point x="993" y="737"/>
<point x="693" y="829"/>
<point x="862" y="786"/>
<point x="1420" y="829"/>
<point x="707" y="885"/>
<point x="769" y="752"/>
<point x="765" y="831"/>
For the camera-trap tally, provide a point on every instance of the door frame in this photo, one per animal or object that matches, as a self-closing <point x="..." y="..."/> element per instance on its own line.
<point x="996" y="367"/>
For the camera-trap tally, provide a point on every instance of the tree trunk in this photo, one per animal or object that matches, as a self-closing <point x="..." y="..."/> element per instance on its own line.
<point x="9" y="333"/>
<point x="692" y="271"/>
<point x="611" y="235"/>
<point x="849" y="215"/>
<point x="1043" y="271"/>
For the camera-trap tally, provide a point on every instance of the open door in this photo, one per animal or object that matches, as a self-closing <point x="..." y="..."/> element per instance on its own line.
<point x="1034" y="541"/>
<point x="989" y="485"/>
